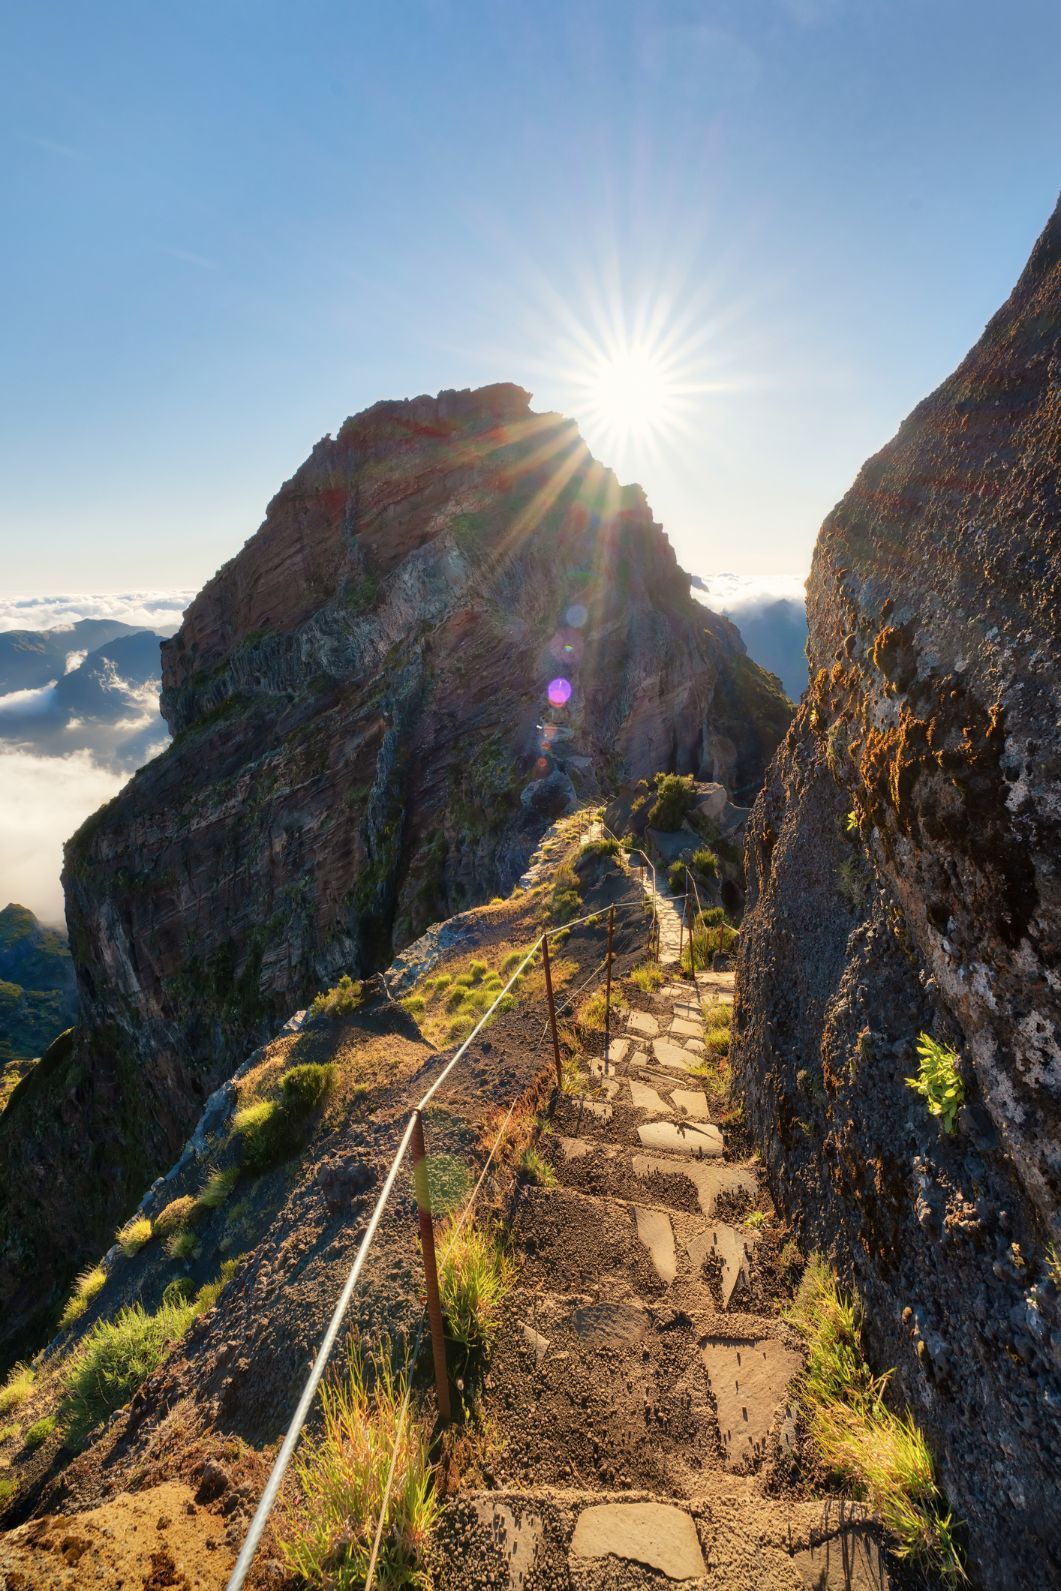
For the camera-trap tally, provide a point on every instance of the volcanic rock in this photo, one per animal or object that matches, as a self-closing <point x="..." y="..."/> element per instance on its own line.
<point x="903" y="879"/>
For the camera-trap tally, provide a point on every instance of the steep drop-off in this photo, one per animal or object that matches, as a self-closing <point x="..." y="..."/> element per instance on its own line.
<point x="452" y="625"/>
<point x="932" y="717"/>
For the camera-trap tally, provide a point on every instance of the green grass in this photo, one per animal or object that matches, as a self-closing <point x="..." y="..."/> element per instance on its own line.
<point x="272" y="1129"/>
<point x="8" y="1488"/>
<point x="710" y="933"/>
<point x="131" y="1237"/>
<point x="342" y="1000"/>
<point x="86" y="1287"/>
<point x="183" y="1245"/>
<point x="647" y="976"/>
<point x="881" y="1454"/>
<point x="939" y="1081"/>
<point x="176" y="1215"/>
<point x="17" y="1387"/>
<point x="326" y="1537"/>
<point x="217" y="1187"/>
<point x="40" y="1431"/>
<point x="475" y="1274"/>
<point x="116" y="1357"/>
<point x="754" y="1220"/>
<point x="536" y="1168"/>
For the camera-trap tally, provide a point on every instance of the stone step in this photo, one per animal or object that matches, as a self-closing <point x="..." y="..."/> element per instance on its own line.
<point x="566" y="1539"/>
<point x="700" y="1140"/>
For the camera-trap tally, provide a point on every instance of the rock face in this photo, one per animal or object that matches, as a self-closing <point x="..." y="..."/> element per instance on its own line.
<point x="933" y="717"/>
<point x="452" y="624"/>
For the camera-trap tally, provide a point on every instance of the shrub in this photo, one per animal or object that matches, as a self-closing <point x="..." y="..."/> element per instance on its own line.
<point x="675" y="799"/>
<point x="536" y="1168"/>
<point x="589" y="1018"/>
<point x="475" y="1274"/>
<point x="86" y="1287"/>
<point x="114" y="1359"/>
<point x="455" y="998"/>
<point x="938" y="1080"/>
<point x="217" y="1187"/>
<point x="704" y="863"/>
<point x="676" y="878"/>
<point x="8" y="1488"/>
<point x="272" y="1129"/>
<point x="477" y="970"/>
<point x="305" y="1086"/>
<point x="594" y="848"/>
<point x="880" y="1453"/>
<point x="326" y="1538"/>
<point x="565" y="901"/>
<point x="415" y="1004"/>
<point x="647" y="976"/>
<point x="131" y="1237"/>
<point x="178" y="1214"/>
<point x="340" y="1001"/>
<point x="40" y="1431"/>
<point x="705" y="941"/>
<point x="17" y="1387"/>
<point x="754" y="1219"/>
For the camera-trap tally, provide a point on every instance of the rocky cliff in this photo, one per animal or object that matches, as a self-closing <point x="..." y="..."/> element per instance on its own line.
<point x="903" y="878"/>
<point x="452" y="625"/>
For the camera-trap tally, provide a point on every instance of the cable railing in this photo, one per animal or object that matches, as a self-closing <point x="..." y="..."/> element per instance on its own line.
<point x="412" y="1142"/>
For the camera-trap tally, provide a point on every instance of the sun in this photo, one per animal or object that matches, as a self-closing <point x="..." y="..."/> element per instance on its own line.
<point x="632" y="394"/>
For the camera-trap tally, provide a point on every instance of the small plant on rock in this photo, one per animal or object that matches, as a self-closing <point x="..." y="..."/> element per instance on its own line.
<point x="647" y="977"/>
<point x="115" y="1358"/>
<point x="40" y="1431"/>
<point x="536" y="1168"/>
<point x="938" y="1080"/>
<point x="342" y="1000"/>
<point x="675" y="799"/>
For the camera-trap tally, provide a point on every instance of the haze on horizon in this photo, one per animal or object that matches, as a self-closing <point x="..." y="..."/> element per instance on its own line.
<point x="231" y="226"/>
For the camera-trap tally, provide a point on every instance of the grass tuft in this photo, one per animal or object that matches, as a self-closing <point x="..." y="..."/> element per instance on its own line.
<point x="475" y="1274"/>
<point x="217" y="1187"/>
<point x="131" y="1237"/>
<point x="17" y="1387"/>
<point x="536" y="1168"/>
<point x="39" y="1431"/>
<point x="342" y="1000"/>
<point x="647" y="976"/>
<point x="326" y="1537"/>
<point x="882" y="1454"/>
<point x="86" y="1287"/>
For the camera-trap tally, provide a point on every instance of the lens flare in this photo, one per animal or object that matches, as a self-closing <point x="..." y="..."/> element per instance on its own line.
<point x="559" y="692"/>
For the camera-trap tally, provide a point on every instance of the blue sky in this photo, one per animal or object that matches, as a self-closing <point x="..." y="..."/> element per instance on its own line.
<point x="230" y="224"/>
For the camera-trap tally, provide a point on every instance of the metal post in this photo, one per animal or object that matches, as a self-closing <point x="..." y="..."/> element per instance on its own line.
<point x="552" y="1007"/>
<point x="427" y="1245"/>
<point x="608" y="990"/>
<point x="681" y="926"/>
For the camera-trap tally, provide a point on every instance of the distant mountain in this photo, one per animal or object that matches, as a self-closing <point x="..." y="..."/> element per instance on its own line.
<point x="771" y="615"/>
<point x="38" y="996"/>
<point x="107" y="703"/>
<point x="32" y="658"/>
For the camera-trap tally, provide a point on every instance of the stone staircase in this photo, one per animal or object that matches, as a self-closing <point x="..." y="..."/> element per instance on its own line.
<point x="643" y="1378"/>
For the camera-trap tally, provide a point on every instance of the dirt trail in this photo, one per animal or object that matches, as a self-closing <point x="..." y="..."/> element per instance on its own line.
<point x="639" y="1396"/>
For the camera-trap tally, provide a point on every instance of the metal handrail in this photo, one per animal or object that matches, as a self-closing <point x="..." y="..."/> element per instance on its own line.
<point x="635" y="850"/>
<point x="298" y="1419"/>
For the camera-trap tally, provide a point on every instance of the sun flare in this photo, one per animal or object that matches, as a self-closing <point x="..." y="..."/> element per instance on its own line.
<point x="632" y="395"/>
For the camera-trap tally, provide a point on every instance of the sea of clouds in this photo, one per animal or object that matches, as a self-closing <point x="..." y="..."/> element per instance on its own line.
<point x="45" y="792"/>
<point x="771" y="613"/>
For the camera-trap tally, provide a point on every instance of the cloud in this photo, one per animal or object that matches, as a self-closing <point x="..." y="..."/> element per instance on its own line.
<point x="150" y="610"/>
<point x="771" y="613"/>
<point x="42" y="801"/>
<point x="28" y="704"/>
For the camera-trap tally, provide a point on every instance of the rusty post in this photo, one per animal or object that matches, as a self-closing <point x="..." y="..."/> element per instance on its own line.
<point x="681" y="925"/>
<point x="552" y="1007"/>
<point x="608" y="990"/>
<point x="427" y="1246"/>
